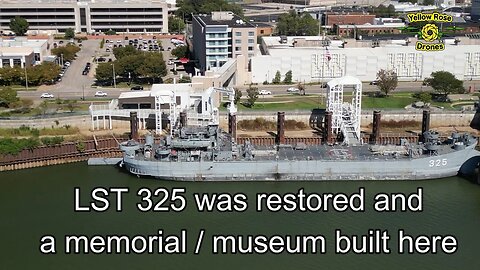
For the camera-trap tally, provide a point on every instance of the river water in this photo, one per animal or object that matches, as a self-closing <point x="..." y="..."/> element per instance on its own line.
<point x="40" y="201"/>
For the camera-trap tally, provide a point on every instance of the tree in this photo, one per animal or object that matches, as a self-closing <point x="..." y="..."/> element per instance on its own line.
<point x="175" y="24"/>
<point x="292" y="24"/>
<point x="104" y="72"/>
<point x="429" y="2"/>
<point x="69" y="33"/>
<point x="7" y="96"/>
<point x="387" y="81"/>
<point x="19" y="26"/>
<point x="128" y="50"/>
<point x="278" y="78"/>
<point x="68" y="52"/>
<point x="180" y="51"/>
<point x="445" y="83"/>
<point x="110" y="32"/>
<point x="71" y="105"/>
<point x="252" y="95"/>
<point x="238" y="95"/>
<point x="288" y="77"/>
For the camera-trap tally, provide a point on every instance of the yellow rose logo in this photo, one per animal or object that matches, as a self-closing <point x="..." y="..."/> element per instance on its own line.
<point x="430" y="32"/>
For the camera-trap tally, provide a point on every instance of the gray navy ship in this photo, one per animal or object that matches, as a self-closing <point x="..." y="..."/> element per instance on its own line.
<point x="209" y="154"/>
<point x="206" y="153"/>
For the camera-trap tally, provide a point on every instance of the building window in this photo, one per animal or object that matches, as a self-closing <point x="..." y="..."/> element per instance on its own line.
<point x="238" y="41"/>
<point x="238" y="48"/>
<point x="251" y="40"/>
<point x="17" y="62"/>
<point x="250" y="48"/>
<point x="251" y="34"/>
<point x="262" y="31"/>
<point x="6" y="62"/>
<point x="238" y="34"/>
<point x="37" y="57"/>
<point x="178" y="100"/>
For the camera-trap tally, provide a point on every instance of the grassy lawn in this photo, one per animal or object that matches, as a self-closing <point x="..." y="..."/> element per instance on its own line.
<point x="390" y="102"/>
<point x="23" y="88"/>
<point x="309" y="102"/>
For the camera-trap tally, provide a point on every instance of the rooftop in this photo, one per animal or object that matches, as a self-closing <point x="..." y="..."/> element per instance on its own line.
<point x="13" y="2"/>
<point x="224" y="18"/>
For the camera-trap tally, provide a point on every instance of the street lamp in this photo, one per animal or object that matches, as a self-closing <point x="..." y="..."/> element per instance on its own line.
<point x="114" y="80"/>
<point x="26" y="77"/>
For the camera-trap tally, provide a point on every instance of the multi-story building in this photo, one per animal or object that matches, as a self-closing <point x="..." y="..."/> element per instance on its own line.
<point x="475" y="13"/>
<point x="22" y="52"/>
<point x="137" y="16"/>
<point x="221" y="36"/>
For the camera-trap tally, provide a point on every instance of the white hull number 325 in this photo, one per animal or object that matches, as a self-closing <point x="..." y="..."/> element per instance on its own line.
<point x="437" y="162"/>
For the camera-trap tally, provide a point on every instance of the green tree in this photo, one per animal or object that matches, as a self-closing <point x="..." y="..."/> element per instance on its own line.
<point x="188" y="7"/>
<point x="424" y="97"/>
<point x="252" y="95"/>
<point x="387" y="81"/>
<point x="293" y="24"/>
<point x="69" y="33"/>
<point x="19" y="26"/>
<point x="110" y="32"/>
<point x="288" y="77"/>
<point x="71" y="105"/>
<point x="175" y="25"/>
<point x="7" y="97"/>
<point x="69" y="51"/>
<point x="128" y="50"/>
<point x="153" y="67"/>
<point x="445" y="83"/>
<point x="104" y="72"/>
<point x="278" y="78"/>
<point x="180" y="51"/>
<point x="238" y="95"/>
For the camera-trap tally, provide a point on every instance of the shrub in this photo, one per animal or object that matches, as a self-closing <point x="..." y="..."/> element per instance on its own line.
<point x="80" y="147"/>
<point x="15" y="146"/>
<point x="52" y="140"/>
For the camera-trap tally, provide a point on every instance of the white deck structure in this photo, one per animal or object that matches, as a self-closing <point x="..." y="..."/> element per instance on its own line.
<point x="162" y="105"/>
<point x="345" y="116"/>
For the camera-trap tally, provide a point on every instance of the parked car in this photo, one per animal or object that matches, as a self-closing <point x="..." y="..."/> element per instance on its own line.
<point x="100" y="94"/>
<point x="264" y="92"/>
<point x="137" y="87"/>
<point x="374" y="82"/>
<point x="67" y="64"/>
<point x="101" y="59"/>
<point x="107" y="50"/>
<point x="47" y="95"/>
<point x="85" y="72"/>
<point x="293" y="90"/>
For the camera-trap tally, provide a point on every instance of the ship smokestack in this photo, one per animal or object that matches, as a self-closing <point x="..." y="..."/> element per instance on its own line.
<point x="425" y="123"/>
<point x="281" y="128"/>
<point x="183" y="119"/>
<point x="133" y="126"/>
<point x="327" y="132"/>
<point x="376" y="127"/>
<point x="232" y="126"/>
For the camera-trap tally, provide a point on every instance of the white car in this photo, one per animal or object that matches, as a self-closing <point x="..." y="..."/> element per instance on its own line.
<point x="46" y="95"/>
<point x="264" y="92"/>
<point x="100" y="94"/>
<point x="119" y="41"/>
<point x="293" y="90"/>
<point x="67" y="64"/>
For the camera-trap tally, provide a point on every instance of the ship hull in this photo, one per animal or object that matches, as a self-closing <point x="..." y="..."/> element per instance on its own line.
<point x="429" y="167"/>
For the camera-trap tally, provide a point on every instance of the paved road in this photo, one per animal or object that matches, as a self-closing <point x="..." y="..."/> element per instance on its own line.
<point x="74" y="85"/>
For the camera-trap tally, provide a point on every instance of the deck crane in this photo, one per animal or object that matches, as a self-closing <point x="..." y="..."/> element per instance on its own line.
<point x="231" y="108"/>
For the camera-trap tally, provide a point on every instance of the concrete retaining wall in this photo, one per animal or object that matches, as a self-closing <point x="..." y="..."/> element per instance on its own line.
<point x="84" y="121"/>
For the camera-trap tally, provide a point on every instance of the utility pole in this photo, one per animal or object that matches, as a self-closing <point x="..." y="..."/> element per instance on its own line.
<point x="26" y="78"/>
<point x="114" y="80"/>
